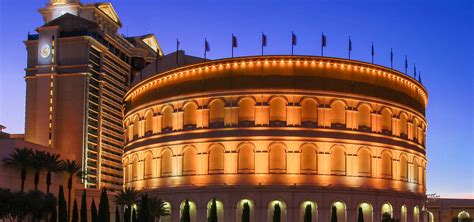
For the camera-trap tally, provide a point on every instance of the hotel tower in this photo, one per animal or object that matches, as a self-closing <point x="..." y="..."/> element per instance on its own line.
<point x="79" y="68"/>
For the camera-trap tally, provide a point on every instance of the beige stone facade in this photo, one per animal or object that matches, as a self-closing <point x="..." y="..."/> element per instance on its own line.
<point x="280" y="129"/>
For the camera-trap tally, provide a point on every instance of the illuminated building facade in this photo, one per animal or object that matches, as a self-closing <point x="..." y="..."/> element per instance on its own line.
<point x="78" y="71"/>
<point x="300" y="132"/>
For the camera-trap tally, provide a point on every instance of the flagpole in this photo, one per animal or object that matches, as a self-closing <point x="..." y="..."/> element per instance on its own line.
<point x="350" y="47"/>
<point x="177" y="50"/>
<point x="262" y="43"/>
<point x="232" y="45"/>
<point x="414" y="71"/>
<point x="391" y="58"/>
<point x="372" y="52"/>
<point x="205" y="48"/>
<point x="292" y="44"/>
<point x="406" y="65"/>
<point x="322" y="43"/>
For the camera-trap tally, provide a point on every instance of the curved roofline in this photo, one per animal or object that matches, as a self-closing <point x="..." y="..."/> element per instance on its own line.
<point x="277" y="58"/>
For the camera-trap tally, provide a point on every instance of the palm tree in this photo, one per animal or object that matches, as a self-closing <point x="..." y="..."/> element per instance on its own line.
<point x="20" y="158"/>
<point x="158" y="208"/>
<point x="37" y="162"/>
<point x="72" y="168"/>
<point x="127" y="197"/>
<point x="52" y="163"/>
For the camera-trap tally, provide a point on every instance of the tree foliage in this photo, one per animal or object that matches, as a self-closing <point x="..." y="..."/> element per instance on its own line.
<point x="213" y="211"/>
<point x="94" y="217"/>
<point x="144" y="211"/>
<point x="75" y="212"/>
<point x="246" y="212"/>
<point x="333" y="214"/>
<point x="360" y="215"/>
<point x="62" y="209"/>
<point x="276" y="213"/>
<point x="308" y="214"/>
<point x="158" y="208"/>
<point x="104" y="211"/>
<point x="185" y="213"/>
<point x="84" y="206"/>
<point x="20" y="158"/>
<point x="117" y="214"/>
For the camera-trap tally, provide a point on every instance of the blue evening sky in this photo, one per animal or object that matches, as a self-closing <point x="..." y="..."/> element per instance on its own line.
<point x="437" y="35"/>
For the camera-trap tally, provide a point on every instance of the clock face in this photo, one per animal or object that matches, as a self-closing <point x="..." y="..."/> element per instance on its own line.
<point x="45" y="50"/>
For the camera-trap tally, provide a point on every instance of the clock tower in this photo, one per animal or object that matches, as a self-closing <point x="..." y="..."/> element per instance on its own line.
<point x="79" y="68"/>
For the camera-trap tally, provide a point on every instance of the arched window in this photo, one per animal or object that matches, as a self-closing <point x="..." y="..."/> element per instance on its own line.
<point x="216" y="159"/>
<point x="274" y="206"/>
<point x="403" y="125"/>
<point x="338" y="160"/>
<point x="190" y="160"/>
<point x="309" y="112"/>
<point x="415" y="129"/>
<point x="247" y="205"/>
<point x="416" y="168"/>
<point x="422" y="133"/>
<point x="308" y="159"/>
<point x="191" y="210"/>
<point x="148" y="165"/>
<point x="246" y="110"/>
<point x="135" y="167"/>
<point x="219" y="208"/>
<point x="149" y="122"/>
<point x="308" y="211"/>
<point x="278" y="110"/>
<point x="167" y="118"/>
<point x="364" y="117"/>
<point x="167" y="218"/>
<point x="386" y="211"/>
<point x="277" y="158"/>
<point x="338" y="114"/>
<point x="364" y="160"/>
<point x="416" y="214"/>
<point x="190" y="115"/>
<point x="246" y="158"/>
<point x="430" y="217"/>
<point x="216" y="112"/>
<point x="166" y="163"/>
<point x="404" y="214"/>
<point x="126" y="168"/>
<point x="463" y="216"/>
<point x="403" y="168"/>
<point x="340" y="212"/>
<point x="127" y="131"/>
<point x="367" y="212"/>
<point x="386" y="166"/>
<point x="136" y="123"/>
<point x="386" y="122"/>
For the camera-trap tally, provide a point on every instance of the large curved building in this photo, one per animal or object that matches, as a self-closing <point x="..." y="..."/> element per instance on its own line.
<point x="305" y="133"/>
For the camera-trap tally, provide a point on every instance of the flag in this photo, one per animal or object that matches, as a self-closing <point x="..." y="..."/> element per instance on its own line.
<point x="234" y="41"/>
<point x="373" y="51"/>
<point x="414" y="70"/>
<point x="177" y="49"/>
<point x="323" y="40"/>
<point x="406" y="64"/>
<point x="391" y="58"/>
<point x="206" y="46"/>
<point x="264" y="40"/>
<point x="350" y="44"/>
<point x="419" y="76"/>
<point x="293" y="38"/>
